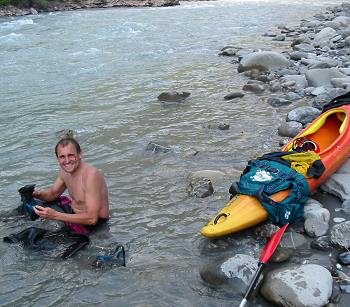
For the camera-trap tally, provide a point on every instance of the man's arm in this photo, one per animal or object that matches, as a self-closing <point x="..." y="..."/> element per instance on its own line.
<point x="93" y="187"/>
<point x="53" y="192"/>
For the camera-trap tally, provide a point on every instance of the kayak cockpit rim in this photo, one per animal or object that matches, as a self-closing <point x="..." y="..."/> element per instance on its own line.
<point x="326" y="130"/>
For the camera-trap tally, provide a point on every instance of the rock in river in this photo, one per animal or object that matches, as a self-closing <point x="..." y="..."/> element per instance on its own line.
<point x="298" y="286"/>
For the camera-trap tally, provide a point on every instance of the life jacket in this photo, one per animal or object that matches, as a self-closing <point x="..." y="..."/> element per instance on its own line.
<point x="307" y="163"/>
<point x="275" y="172"/>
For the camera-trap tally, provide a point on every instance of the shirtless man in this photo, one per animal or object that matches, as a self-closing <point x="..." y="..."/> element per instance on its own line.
<point x="85" y="184"/>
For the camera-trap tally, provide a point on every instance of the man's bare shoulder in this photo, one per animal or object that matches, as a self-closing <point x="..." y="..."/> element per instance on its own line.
<point x="92" y="173"/>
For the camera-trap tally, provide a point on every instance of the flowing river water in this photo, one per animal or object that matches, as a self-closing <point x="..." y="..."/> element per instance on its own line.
<point x="99" y="72"/>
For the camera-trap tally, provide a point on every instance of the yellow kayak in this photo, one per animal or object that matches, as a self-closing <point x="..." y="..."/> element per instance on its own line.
<point x="331" y="132"/>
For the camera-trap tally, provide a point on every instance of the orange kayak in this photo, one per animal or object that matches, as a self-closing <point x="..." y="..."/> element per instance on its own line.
<point x="331" y="132"/>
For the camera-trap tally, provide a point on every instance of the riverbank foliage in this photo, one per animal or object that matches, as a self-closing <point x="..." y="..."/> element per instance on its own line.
<point x="37" y="4"/>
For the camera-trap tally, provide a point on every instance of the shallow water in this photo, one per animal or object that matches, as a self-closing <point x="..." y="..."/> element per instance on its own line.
<point x="99" y="72"/>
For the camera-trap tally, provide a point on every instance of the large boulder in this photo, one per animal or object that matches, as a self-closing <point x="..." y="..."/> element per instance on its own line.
<point x="238" y="269"/>
<point x="338" y="185"/>
<point x="308" y="285"/>
<point x="263" y="60"/>
<point x="303" y="115"/>
<point x="324" y="37"/>
<point x="322" y="77"/>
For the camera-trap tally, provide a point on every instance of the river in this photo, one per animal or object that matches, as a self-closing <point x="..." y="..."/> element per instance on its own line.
<point x="99" y="72"/>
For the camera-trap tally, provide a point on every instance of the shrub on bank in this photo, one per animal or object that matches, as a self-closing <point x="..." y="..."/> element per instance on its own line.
<point x="37" y="4"/>
<point x="5" y="2"/>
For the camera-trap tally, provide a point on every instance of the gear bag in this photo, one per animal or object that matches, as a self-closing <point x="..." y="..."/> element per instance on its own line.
<point x="263" y="178"/>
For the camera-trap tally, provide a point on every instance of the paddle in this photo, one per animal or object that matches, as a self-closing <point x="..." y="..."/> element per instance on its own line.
<point x="265" y="256"/>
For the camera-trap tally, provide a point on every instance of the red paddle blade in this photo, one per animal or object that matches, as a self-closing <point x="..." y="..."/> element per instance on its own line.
<point x="271" y="246"/>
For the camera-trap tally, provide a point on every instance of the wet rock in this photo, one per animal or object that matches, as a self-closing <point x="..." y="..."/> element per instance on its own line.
<point x="33" y="11"/>
<point x="299" y="80"/>
<point x="341" y="82"/>
<point x="300" y="40"/>
<point x="316" y="219"/>
<point x="339" y="219"/>
<point x="343" y="20"/>
<point x="239" y="267"/>
<point x="278" y="101"/>
<point x="279" y="38"/>
<point x="303" y="115"/>
<point x="254" y="87"/>
<point x="304" y="47"/>
<point x="345" y="168"/>
<point x="344" y="258"/>
<point x="281" y="254"/>
<point x="318" y="91"/>
<point x="275" y="86"/>
<point x="310" y="205"/>
<point x="323" y="37"/>
<point x="305" y="285"/>
<point x="234" y="95"/>
<point x="213" y="175"/>
<point x="200" y="187"/>
<point x="229" y="51"/>
<point x="345" y="288"/>
<point x="223" y="126"/>
<point x="266" y="230"/>
<point x="191" y="152"/>
<point x="327" y="96"/>
<point x="322" y="243"/>
<point x="298" y="55"/>
<point x="347" y="41"/>
<point x="156" y="148"/>
<point x="284" y="141"/>
<point x="173" y="96"/>
<point x="338" y="185"/>
<point x="322" y="77"/>
<point x="292" y="240"/>
<point x="290" y="128"/>
<point x="346" y="207"/>
<point x="291" y="96"/>
<point x="333" y="24"/>
<point x="262" y="60"/>
<point x="340" y="234"/>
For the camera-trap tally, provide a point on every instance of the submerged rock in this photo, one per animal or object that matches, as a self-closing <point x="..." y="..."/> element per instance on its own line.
<point x="234" y="95"/>
<point x="238" y="270"/>
<point x="173" y="96"/>
<point x="200" y="187"/>
<point x="156" y="148"/>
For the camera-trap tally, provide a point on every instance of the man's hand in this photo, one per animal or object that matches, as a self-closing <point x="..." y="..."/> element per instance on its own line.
<point x="45" y="212"/>
<point x="37" y="194"/>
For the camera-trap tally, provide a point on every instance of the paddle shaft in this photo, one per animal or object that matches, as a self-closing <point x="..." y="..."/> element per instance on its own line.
<point x="265" y="256"/>
<point x="252" y="284"/>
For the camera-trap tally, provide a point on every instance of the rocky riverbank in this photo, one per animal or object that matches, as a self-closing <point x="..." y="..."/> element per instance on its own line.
<point x="68" y="5"/>
<point x="313" y="261"/>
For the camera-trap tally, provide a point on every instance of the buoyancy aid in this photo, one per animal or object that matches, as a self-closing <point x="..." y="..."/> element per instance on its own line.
<point x="278" y="171"/>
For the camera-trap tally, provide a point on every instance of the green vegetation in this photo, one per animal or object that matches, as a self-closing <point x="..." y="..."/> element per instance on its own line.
<point x="37" y="4"/>
<point x="5" y="2"/>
